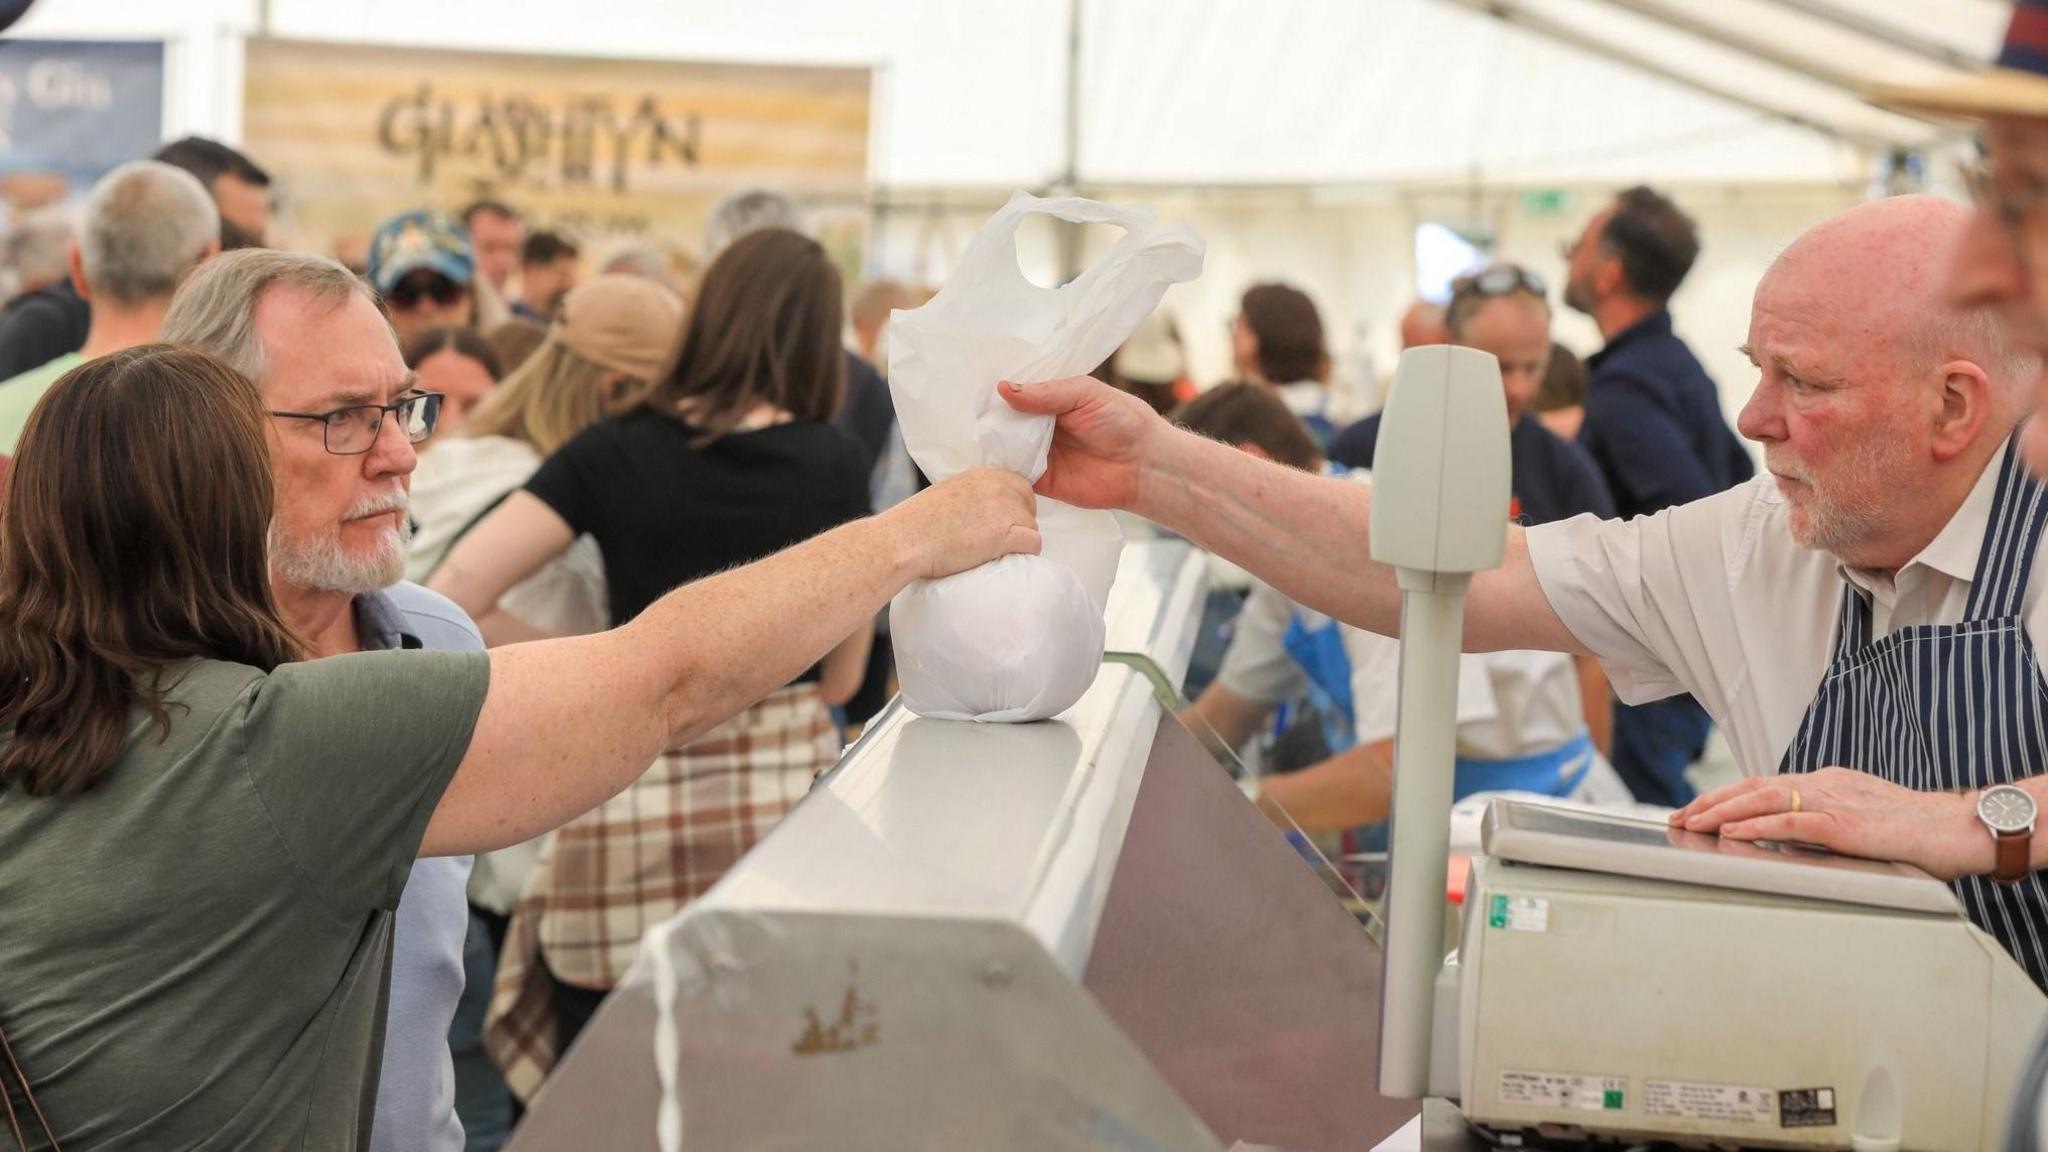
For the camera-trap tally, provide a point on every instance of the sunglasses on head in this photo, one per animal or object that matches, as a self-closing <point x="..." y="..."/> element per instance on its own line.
<point x="1500" y="280"/>
<point x="417" y="286"/>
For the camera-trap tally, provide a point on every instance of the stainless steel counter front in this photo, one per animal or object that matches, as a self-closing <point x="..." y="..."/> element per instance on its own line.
<point x="1067" y="935"/>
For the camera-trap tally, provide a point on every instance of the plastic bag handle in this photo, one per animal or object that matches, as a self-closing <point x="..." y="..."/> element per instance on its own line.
<point x="1141" y="230"/>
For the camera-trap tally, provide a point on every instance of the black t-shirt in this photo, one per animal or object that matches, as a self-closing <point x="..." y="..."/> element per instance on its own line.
<point x="868" y="412"/>
<point x="664" y="512"/>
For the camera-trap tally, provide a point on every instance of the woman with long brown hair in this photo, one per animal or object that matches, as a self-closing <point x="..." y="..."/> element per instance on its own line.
<point x="205" y="838"/>
<point x="732" y="456"/>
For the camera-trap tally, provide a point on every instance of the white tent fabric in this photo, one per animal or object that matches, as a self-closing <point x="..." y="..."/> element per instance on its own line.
<point x="1305" y="139"/>
<point x="1205" y="92"/>
<point x="1324" y="91"/>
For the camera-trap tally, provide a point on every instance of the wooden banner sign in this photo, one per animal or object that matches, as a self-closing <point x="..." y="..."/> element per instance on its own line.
<point x="597" y="148"/>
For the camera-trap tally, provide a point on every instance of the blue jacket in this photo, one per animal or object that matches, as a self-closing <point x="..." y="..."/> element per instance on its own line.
<point x="1654" y="422"/>
<point x="1554" y="479"/>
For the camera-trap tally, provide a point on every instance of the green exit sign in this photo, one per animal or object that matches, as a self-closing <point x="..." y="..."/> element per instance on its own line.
<point x="1546" y="201"/>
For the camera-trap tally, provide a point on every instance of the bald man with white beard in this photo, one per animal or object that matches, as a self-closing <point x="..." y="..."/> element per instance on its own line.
<point x="1851" y="618"/>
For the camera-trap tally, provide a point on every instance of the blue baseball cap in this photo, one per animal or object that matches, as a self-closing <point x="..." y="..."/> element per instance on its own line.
<point x="425" y="239"/>
<point x="2016" y="85"/>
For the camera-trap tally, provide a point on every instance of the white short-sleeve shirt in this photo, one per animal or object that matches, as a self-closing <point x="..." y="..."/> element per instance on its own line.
<point x="1715" y="598"/>
<point x="1510" y="704"/>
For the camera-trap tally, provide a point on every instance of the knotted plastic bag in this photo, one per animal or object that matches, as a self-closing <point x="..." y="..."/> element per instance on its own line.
<point x="1021" y="638"/>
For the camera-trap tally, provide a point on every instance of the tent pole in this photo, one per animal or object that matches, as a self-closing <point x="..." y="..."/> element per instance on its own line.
<point x="1070" y="178"/>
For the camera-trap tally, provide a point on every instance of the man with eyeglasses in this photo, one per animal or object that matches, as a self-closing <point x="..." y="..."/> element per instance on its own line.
<point x="2000" y="270"/>
<point x="423" y="266"/>
<point x="1653" y="424"/>
<point x="2002" y="264"/>
<point x="345" y="416"/>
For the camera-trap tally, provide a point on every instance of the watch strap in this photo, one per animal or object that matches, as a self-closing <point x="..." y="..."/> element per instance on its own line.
<point x="2015" y="852"/>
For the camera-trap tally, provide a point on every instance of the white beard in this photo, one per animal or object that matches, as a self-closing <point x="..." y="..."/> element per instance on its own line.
<point x="1836" y="524"/>
<point x="323" y="565"/>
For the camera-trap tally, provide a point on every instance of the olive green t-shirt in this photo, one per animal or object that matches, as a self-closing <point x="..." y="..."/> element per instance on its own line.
<point x="196" y="953"/>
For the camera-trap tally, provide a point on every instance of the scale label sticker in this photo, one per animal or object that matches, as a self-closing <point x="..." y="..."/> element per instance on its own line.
<point x="1567" y="1090"/>
<point x="1518" y="913"/>
<point x="1806" y="1108"/>
<point x="1718" y="1102"/>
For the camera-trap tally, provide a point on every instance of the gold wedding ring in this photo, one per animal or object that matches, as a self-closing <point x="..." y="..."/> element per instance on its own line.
<point x="1798" y="801"/>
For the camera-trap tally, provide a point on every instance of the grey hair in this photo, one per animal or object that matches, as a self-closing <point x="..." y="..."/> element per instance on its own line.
<point x="38" y="250"/>
<point x="147" y="224"/>
<point x="747" y="211"/>
<point x="215" y="310"/>
<point x="1979" y="336"/>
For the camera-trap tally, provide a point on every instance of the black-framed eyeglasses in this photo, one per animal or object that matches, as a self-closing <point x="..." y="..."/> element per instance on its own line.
<point x="1499" y="280"/>
<point x="414" y="287"/>
<point x="353" y="430"/>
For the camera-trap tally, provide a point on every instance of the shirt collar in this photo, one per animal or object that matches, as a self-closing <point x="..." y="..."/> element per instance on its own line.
<point x="1953" y="551"/>
<point x="381" y="625"/>
<point x="1304" y="397"/>
<point x="1656" y="324"/>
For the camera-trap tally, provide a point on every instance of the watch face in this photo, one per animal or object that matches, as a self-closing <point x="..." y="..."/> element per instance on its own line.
<point x="2006" y="809"/>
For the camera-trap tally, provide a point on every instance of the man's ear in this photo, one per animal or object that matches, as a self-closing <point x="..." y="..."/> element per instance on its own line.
<point x="74" y="263"/>
<point x="1608" y="278"/>
<point x="1966" y="403"/>
<point x="1251" y="449"/>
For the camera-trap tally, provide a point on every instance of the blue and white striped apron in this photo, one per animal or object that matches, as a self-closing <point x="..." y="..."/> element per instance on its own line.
<point x="1951" y="706"/>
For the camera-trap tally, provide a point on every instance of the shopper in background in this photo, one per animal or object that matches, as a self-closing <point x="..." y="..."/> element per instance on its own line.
<point x="1654" y="424"/>
<point x="457" y="363"/>
<point x="147" y="226"/>
<point x="422" y="265"/>
<point x="496" y="232"/>
<point x="732" y="456"/>
<point x="1277" y="340"/>
<point x="548" y="264"/>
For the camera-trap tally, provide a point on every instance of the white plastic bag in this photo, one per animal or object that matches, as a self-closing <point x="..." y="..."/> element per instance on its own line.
<point x="1022" y="638"/>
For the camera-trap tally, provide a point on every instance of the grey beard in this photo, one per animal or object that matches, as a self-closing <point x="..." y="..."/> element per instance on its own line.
<point x="323" y="566"/>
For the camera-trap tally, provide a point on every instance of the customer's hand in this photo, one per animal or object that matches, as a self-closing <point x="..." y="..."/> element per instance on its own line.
<point x="966" y="522"/>
<point x="1099" y="445"/>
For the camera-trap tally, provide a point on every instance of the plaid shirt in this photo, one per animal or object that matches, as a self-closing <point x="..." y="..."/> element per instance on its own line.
<point x="608" y="876"/>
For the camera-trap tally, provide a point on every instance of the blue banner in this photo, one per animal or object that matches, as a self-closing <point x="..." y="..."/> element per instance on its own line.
<point x="77" y="108"/>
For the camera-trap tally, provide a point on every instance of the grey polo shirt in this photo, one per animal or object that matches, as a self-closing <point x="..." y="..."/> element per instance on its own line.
<point x="416" y="1094"/>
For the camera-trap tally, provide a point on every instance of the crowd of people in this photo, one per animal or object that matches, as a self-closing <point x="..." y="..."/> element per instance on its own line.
<point x="395" y="644"/>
